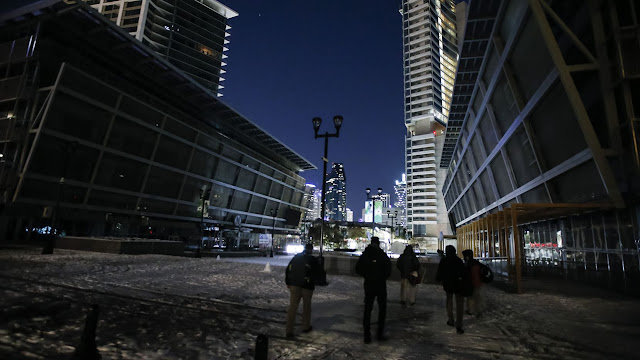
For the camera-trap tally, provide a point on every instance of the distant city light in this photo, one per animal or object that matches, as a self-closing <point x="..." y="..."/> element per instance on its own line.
<point x="294" y="249"/>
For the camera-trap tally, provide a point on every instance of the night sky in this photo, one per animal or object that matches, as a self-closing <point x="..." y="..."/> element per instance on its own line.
<point x="292" y="60"/>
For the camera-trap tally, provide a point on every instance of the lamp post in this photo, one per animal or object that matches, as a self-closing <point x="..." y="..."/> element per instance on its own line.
<point x="274" y="212"/>
<point x="393" y="219"/>
<point x="204" y="196"/>
<point x="373" y="199"/>
<point x="337" y="123"/>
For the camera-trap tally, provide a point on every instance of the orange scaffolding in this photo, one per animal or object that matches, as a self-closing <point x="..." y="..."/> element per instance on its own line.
<point x="492" y="237"/>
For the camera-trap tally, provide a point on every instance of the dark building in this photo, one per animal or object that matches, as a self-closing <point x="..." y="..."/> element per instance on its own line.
<point x="192" y="35"/>
<point x="100" y="130"/>
<point x="336" y="196"/>
<point x="542" y="145"/>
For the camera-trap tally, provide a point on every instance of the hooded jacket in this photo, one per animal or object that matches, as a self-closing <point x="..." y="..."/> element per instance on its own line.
<point x="374" y="265"/>
<point x="408" y="262"/>
<point x="452" y="274"/>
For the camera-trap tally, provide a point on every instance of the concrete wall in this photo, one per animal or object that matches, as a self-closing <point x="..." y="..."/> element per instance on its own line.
<point x="121" y="246"/>
<point x="346" y="265"/>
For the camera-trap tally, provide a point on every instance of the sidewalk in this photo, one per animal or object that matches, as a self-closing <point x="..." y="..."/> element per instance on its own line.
<point x="163" y="307"/>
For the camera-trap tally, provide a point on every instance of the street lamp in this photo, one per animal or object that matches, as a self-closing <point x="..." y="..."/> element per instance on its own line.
<point x="393" y="218"/>
<point x="337" y="123"/>
<point x="373" y="199"/>
<point x="274" y="212"/>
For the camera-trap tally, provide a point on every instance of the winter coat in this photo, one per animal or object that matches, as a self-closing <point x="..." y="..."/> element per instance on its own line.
<point x="374" y="265"/>
<point x="407" y="263"/>
<point x="302" y="271"/>
<point x="454" y="276"/>
<point x="475" y="270"/>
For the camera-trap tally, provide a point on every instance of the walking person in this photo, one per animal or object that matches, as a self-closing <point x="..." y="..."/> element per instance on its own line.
<point x="456" y="284"/>
<point x="409" y="267"/>
<point x="374" y="265"/>
<point x="300" y="276"/>
<point x="475" y="303"/>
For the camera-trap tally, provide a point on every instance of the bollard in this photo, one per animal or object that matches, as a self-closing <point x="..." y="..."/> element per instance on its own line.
<point x="87" y="348"/>
<point x="262" y="347"/>
<point x="49" y="241"/>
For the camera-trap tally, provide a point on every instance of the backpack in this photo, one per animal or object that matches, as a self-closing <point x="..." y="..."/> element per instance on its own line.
<point x="486" y="275"/>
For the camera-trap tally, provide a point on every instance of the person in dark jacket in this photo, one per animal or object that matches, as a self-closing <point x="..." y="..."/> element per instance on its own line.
<point x="454" y="278"/>
<point x="374" y="265"/>
<point x="409" y="267"/>
<point x="300" y="277"/>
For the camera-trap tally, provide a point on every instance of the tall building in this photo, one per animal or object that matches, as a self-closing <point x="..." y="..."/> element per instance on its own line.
<point x="349" y="215"/>
<point x="190" y="34"/>
<point x="400" y="189"/>
<point x="116" y="141"/>
<point x="336" y="197"/>
<point x="542" y="139"/>
<point x="386" y="200"/>
<point x="430" y="55"/>
<point x="310" y="202"/>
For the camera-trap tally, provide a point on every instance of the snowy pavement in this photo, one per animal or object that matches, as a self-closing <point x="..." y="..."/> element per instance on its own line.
<point x="163" y="307"/>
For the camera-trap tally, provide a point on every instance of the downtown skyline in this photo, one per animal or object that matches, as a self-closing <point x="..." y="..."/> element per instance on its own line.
<point x="291" y="61"/>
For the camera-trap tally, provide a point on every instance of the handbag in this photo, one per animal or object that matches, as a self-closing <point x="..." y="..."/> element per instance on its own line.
<point x="414" y="278"/>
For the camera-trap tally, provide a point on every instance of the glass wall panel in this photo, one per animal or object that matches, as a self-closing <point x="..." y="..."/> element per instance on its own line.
<point x="156" y="206"/>
<point x="164" y="183"/>
<point x="192" y="189"/>
<point x="109" y="199"/>
<point x="203" y="163"/>
<point x="226" y="172"/>
<point x="140" y="111"/>
<point x="51" y="153"/>
<point x="77" y="118"/>
<point x="177" y="128"/>
<point x="530" y="59"/>
<point x="552" y="138"/>
<point x="240" y="201"/>
<point x="173" y="153"/>
<point x="523" y="160"/>
<point x="258" y="205"/>
<point x="504" y="105"/>
<point x="501" y="176"/>
<point x="246" y="179"/>
<point x="580" y="184"/>
<point x="221" y="197"/>
<point x="120" y="172"/>
<point x="132" y="138"/>
<point x="84" y="85"/>
<point x="263" y="185"/>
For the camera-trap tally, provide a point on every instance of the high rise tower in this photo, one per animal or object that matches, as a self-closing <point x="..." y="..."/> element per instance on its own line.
<point x="336" y="197"/>
<point x="190" y="34"/>
<point x="430" y="55"/>
<point x="400" y="189"/>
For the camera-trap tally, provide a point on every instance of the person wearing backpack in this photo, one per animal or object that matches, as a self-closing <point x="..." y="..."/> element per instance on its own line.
<point x="300" y="277"/>
<point x="456" y="283"/>
<point x="475" y="303"/>
<point x="374" y="265"/>
<point x="409" y="267"/>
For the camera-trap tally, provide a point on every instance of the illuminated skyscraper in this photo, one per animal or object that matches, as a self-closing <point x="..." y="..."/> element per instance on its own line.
<point x="190" y="34"/>
<point x="430" y="55"/>
<point x="400" y="189"/>
<point x="336" y="197"/>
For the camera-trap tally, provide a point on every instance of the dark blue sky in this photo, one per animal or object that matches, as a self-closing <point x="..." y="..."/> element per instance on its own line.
<point x="292" y="60"/>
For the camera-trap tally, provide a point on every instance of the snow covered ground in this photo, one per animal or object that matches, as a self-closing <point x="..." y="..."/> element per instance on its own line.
<point x="163" y="307"/>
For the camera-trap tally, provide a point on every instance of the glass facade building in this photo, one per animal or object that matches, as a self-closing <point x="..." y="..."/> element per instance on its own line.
<point x="115" y="140"/>
<point x="336" y="196"/>
<point x="192" y="35"/>
<point x="544" y="113"/>
<point x="430" y="59"/>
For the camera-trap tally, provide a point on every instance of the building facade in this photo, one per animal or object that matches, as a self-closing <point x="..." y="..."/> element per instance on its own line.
<point x="103" y="137"/>
<point x="545" y="117"/>
<point x="430" y="55"/>
<point x="336" y="196"/>
<point x="192" y="35"/>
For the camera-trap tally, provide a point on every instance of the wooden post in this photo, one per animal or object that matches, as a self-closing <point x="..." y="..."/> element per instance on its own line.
<point x="516" y="247"/>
